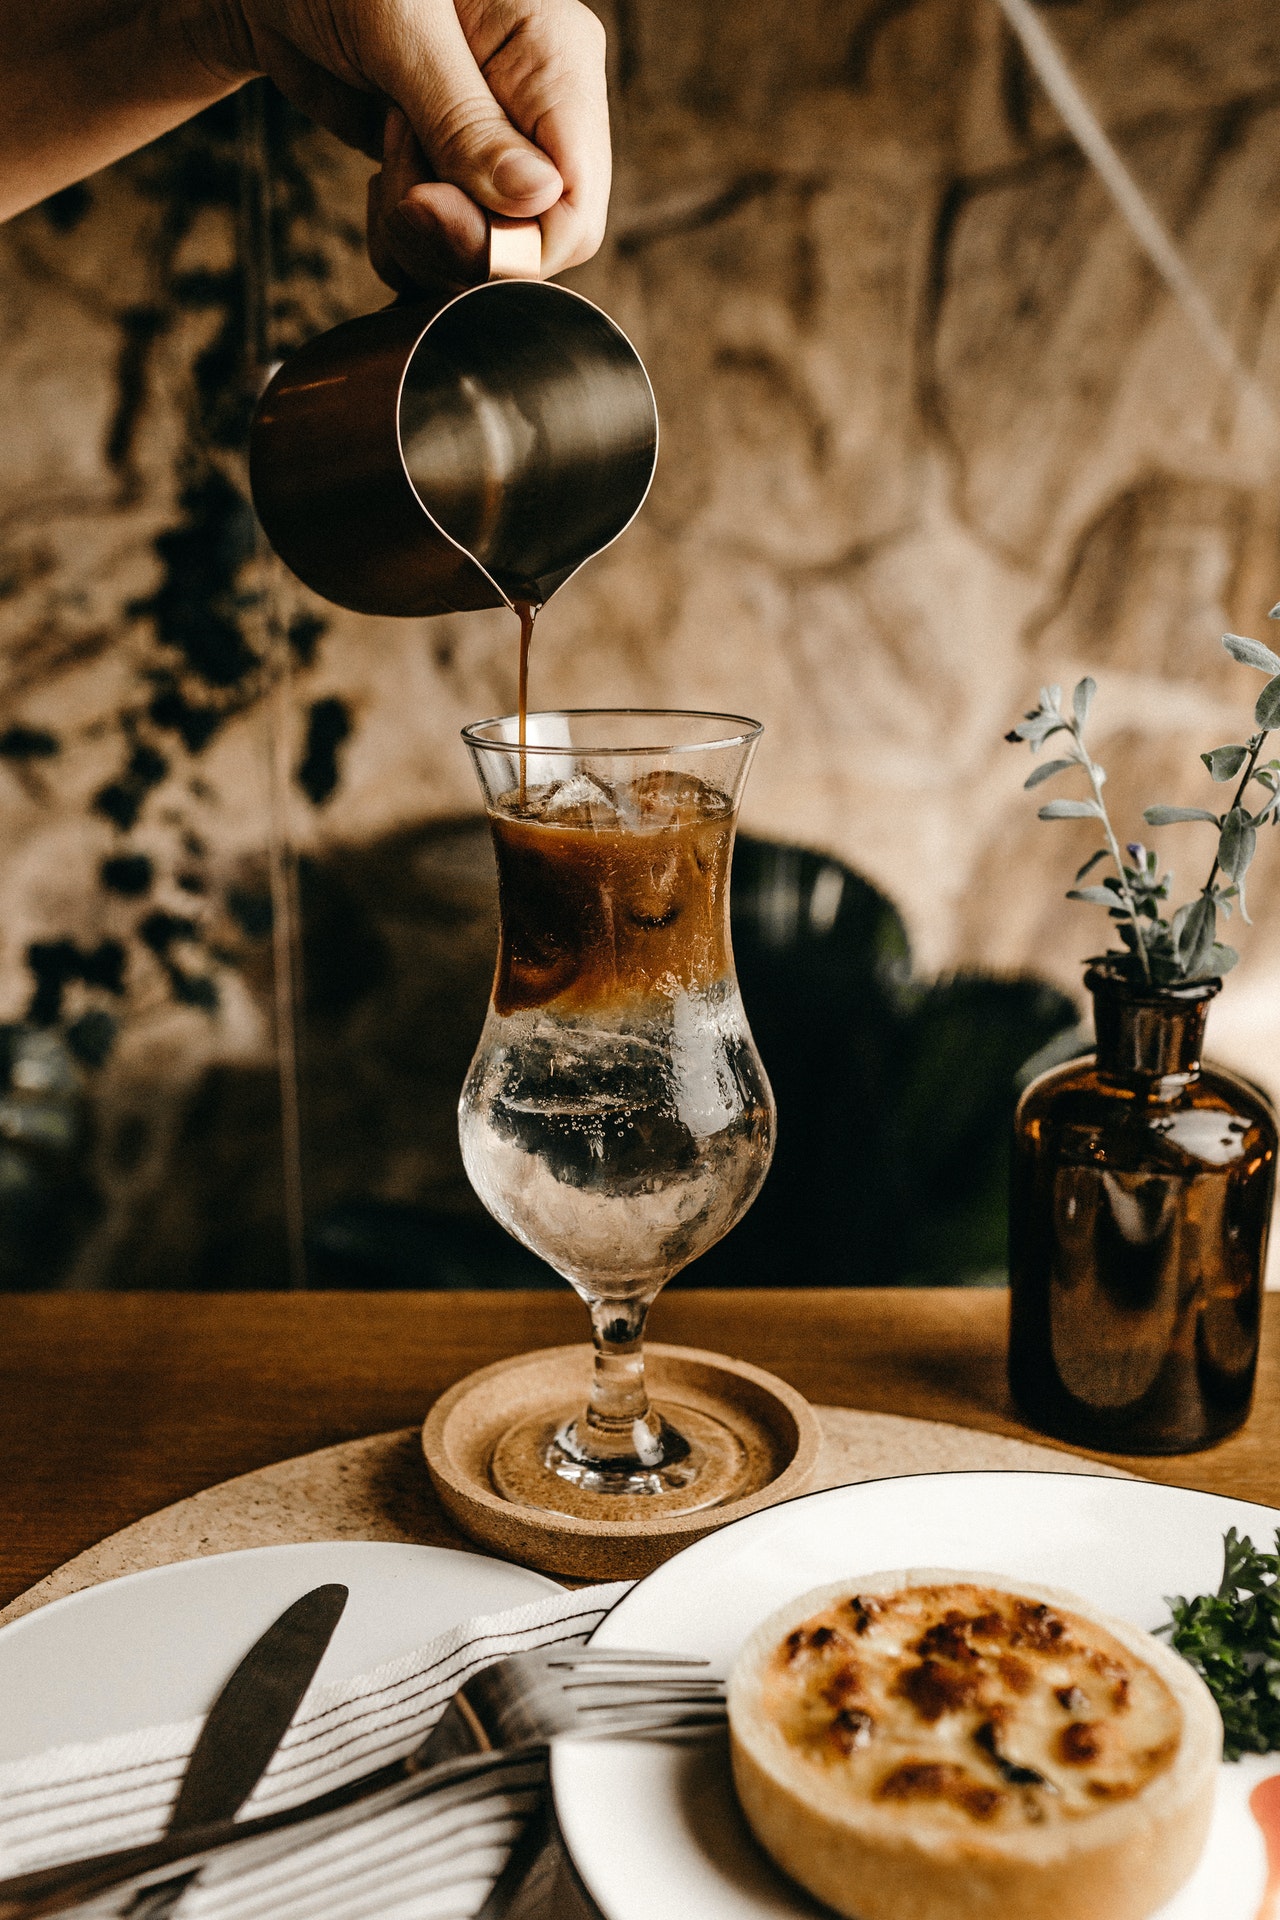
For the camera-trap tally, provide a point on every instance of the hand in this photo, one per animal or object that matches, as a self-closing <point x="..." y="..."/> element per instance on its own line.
<point x="496" y="104"/>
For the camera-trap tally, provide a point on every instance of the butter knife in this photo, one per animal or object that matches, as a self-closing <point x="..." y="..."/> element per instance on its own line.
<point x="244" y="1726"/>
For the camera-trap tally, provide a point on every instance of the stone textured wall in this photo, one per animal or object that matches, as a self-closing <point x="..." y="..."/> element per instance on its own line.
<point x="933" y="433"/>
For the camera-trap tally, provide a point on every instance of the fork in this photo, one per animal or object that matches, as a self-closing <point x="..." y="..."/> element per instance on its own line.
<point x="529" y="1699"/>
<point x="514" y="1707"/>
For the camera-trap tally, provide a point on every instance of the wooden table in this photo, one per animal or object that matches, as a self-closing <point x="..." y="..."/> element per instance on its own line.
<point x="112" y="1405"/>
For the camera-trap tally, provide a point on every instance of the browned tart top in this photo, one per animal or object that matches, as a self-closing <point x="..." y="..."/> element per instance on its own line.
<point x="983" y="1707"/>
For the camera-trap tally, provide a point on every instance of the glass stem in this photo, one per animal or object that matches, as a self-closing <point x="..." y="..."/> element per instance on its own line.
<point x="620" y="1420"/>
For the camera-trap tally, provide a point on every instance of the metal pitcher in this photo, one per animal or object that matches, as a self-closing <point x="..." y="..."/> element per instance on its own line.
<point x="422" y="460"/>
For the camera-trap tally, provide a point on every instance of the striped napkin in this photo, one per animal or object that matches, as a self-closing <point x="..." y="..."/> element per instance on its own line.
<point x="434" y="1859"/>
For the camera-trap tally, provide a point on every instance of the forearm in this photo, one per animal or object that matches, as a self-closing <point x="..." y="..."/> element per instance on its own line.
<point x="84" y="81"/>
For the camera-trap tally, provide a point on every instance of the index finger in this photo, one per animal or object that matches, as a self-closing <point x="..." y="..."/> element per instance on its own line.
<point x="573" y="228"/>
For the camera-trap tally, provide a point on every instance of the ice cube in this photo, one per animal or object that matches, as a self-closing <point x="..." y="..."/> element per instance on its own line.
<point x="652" y="890"/>
<point x="580" y="801"/>
<point x="668" y="797"/>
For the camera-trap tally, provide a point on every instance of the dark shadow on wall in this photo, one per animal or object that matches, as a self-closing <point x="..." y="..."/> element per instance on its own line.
<point x="894" y="1096"/>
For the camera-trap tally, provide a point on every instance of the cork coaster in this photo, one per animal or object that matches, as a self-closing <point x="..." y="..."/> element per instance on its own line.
<point x="775" y="1428"/>
<point x="377" y="1489"/>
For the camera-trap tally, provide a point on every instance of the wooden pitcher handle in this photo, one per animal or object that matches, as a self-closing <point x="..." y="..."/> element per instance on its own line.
<point x="515" y="249"/>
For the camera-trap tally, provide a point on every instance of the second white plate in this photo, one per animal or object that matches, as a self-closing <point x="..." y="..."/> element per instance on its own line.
<point x="656" y="1829"/>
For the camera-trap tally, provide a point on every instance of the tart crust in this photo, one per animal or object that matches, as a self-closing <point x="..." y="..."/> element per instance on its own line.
<point x="883" y="1831"/>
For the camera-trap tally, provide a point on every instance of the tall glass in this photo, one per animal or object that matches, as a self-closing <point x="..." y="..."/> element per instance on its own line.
<point x="616" y="1117"/>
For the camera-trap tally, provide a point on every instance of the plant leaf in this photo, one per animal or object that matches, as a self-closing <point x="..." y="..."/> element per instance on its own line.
<point x="1096" y="896"/>
<point x="1220" y="959"/>
<point x="1237" y="843"/>
<point x="1082" y="699"/>
<point x="1170" y="816"/>
<point x="1251" y="653"/>
<point x="1224" y="763"/>
<point x="1037" y="727"/>
<point x="1193" y="940"/>
<point x="1267" y="711"/>
<point x="1047" y="771"/>
<point x="1070" y="810"/>
<point x="1236" y="847"/>
<point x="1092" y="862"/>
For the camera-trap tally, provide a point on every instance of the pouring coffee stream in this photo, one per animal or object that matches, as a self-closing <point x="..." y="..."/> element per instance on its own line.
<point x="526" y="613"/>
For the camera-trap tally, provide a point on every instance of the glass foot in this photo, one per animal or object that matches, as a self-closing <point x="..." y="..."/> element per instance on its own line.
<point x="662" y="1463"/>
<point x="538" y="1463"/>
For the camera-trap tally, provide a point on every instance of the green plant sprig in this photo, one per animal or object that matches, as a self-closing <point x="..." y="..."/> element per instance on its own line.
<point x="1185" y="948"/>
<point x="1232" y="1639"/>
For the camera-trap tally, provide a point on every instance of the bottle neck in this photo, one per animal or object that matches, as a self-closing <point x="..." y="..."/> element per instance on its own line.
<point x="1151" y="1036"/>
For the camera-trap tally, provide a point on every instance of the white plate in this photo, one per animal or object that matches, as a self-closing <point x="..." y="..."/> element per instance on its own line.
<point x="656" y="1830"/>
<point x="156" y="1646"/>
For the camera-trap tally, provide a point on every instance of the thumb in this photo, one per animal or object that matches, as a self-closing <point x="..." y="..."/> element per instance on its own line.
<point x="465" y="135"/>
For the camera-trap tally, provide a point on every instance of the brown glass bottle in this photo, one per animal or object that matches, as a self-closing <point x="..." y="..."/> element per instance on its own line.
<point x="1141" y="1198"/>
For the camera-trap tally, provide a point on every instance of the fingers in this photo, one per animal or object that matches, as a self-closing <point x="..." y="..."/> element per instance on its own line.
<point x="574" y="227"/>
<point x="468" y="141"/>
<point x="479" y="136"/>
<point x="425" y="234"/>
<point x="548" y="72"/>
<point x="440" y="234"/>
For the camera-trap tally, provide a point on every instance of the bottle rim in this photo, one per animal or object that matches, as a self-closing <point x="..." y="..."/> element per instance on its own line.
<point x="1104" y="974"/>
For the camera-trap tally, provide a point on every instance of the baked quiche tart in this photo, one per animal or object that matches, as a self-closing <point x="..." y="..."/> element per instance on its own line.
<point x="934" y="1745"/>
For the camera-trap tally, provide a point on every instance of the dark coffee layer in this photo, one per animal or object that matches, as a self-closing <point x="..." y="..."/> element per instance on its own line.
<point x="612" y="892"/>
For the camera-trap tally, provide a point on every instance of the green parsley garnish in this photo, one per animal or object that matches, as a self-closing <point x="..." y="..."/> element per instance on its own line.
<point x="1232" y="1639"/>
